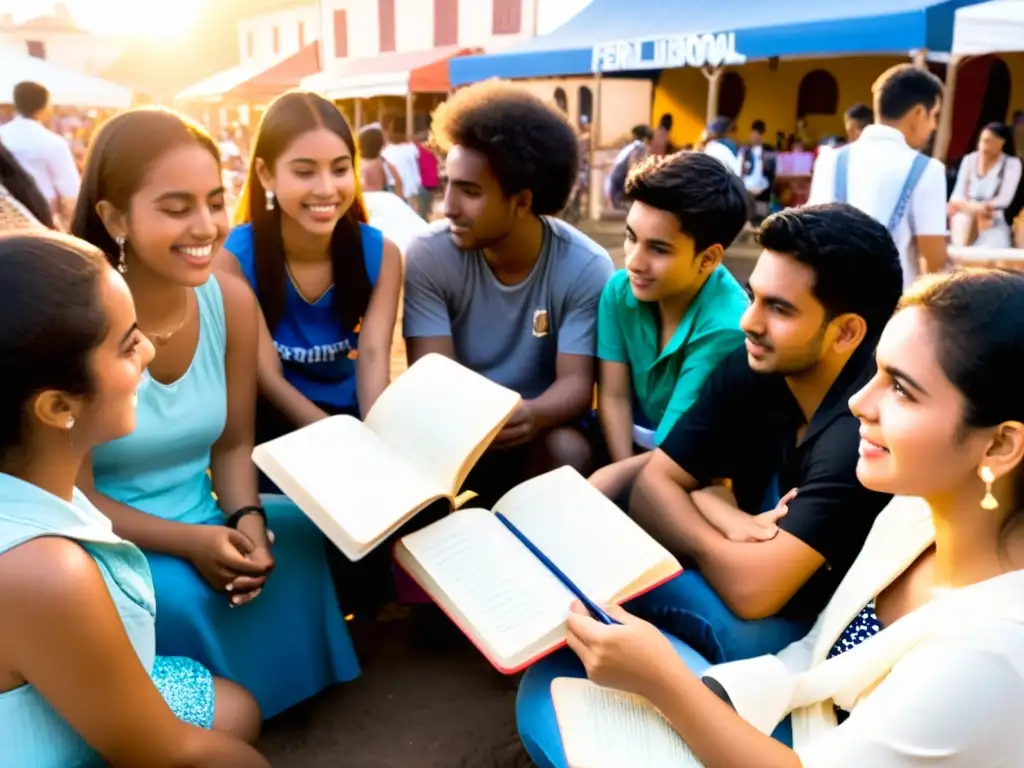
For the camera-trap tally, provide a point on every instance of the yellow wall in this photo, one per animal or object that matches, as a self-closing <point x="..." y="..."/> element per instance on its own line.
<point x="625" y="102"/>
<point x="770" y="95"/>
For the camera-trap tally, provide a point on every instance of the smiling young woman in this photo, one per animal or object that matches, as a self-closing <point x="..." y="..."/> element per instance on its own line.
<point x="183" y="486"/>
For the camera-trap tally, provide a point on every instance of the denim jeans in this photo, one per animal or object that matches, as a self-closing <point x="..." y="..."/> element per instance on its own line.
<point x="535" y="711"/>
<point x="689" y="608"/>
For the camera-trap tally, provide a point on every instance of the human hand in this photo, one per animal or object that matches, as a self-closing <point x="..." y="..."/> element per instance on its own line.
<point x="222" y="555"/>
<point x="631" y="656"/>
<point x="520" y="428"/>
<point x="735" y="524"/>
<point x="245" y="588"/>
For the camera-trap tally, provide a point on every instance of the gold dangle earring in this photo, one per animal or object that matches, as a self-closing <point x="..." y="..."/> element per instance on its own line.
<point x="988" y="502"/>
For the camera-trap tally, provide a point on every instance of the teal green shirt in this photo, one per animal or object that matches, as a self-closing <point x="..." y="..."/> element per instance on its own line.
<point x="666" y="383"/>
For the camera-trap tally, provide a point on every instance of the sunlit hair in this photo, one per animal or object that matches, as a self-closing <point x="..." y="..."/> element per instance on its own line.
<point x="287" y="118"/>
<point x="120" y="156"/>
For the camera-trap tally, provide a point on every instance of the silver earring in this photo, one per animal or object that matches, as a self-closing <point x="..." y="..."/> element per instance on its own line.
<point x="270" y="200"/>
<point x="122" y="262"/>
<point x="70" y="423"/>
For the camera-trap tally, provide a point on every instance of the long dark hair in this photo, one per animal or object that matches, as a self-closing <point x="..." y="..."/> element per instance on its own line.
<point x="119" y="158"/>
<point x="1005" y="133"/>
<point x="51" y="320"/>
<point x="22" y="187"/>
<point x="288" y="117"/>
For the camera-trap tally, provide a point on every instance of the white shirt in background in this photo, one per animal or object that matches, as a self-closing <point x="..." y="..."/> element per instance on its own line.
<point x="45" y="156"/>
<point x="406" y="159"/>
<point x="879" y="164"/>
<point x="755" y="181"/>
<point x="723" y="154"/>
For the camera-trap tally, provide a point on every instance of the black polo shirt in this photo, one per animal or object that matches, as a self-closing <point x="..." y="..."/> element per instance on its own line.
<point x="744" y="427"/>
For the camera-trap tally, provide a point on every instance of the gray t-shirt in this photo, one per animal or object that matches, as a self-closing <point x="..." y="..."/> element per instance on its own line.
<point x="509" y="333"/>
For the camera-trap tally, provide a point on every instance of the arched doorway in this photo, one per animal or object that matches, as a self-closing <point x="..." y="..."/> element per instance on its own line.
<point x="561" y="100"/>
<point x="732" y="92"/>
<point x="818" y="94"/>
<point x="586" y="102"/>
<point x="983" y="88"/>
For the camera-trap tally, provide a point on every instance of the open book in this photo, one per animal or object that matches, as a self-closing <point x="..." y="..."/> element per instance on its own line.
<point x="605" y="728"/>
<point x="359" y="481"/>
<point x="501" y="595"/>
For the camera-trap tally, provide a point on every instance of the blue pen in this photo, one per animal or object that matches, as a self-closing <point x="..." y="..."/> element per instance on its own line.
<point x="589" y="604"/>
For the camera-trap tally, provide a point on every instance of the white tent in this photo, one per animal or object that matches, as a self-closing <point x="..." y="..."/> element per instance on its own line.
<point x="993" y="27"/>
<point x="67" y="88"/>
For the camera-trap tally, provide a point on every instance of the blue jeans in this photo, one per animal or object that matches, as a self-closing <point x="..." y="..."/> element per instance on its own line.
<point x="689" y="608"/>
<point x="535" y="712"/>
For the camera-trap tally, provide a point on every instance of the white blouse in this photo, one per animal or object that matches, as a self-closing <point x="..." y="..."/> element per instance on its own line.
<point x="942" y="686"/>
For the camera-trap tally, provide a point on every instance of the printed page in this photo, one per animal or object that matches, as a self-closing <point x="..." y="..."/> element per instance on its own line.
<point x="441" y="416"/>
<point x="589" y="538"/>
<point x="343" y="475"/>
<point x="605" y="728"/>
<point x="507" y="597"/>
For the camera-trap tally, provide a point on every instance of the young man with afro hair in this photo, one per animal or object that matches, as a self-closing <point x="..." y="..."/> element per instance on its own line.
<point x="503" y="287"/>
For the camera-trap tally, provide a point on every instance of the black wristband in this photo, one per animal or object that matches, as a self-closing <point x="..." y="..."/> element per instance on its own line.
<point x="232" y="522"/>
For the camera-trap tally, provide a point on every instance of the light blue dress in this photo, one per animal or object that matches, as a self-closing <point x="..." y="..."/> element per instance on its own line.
<point x="290" y="642"/>
<point x="32" y="734"/>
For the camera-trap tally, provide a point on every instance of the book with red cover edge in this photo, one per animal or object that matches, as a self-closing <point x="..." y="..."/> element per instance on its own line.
<point x="529" y="662"/>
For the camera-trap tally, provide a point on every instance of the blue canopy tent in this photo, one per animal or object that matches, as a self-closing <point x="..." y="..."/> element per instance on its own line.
<point x="643" y="35"/>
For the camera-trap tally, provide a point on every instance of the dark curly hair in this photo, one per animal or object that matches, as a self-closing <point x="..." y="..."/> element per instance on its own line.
<point x="529" y="145"/>
<point x="855" y="261"/>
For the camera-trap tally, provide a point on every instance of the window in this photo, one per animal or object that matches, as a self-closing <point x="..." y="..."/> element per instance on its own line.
<point x="818" y="94"/>
<point x="446" y="22"/>
<point x="340" y="35"/>
<point x="276" y="42"/>
<point x="508" y="17"/>
<point x="302" y="34"/>
<point x="586" y="97"/>
<point x="561" y="101"/>
<point x="386" y="16"/>
<point x="250" y="45"/>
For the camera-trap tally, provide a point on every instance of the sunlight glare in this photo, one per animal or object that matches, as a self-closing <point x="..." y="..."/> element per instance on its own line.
<point x="165" y="19"/>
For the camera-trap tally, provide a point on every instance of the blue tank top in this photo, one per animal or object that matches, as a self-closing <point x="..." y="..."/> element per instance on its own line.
<point x="160" y="468"/>
<point x="317" y="357"/>
<point x="32" y="733"/>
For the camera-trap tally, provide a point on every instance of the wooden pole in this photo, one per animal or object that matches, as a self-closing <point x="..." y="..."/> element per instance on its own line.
<point x="945" y="131"/>
<point x="410" y="103"/>
<point x="596" y="195"/>
<point x="359" y="114"/>
<point x="714" y="77"/>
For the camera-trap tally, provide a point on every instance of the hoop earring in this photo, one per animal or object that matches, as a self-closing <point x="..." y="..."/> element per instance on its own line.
<point x="989" y="502"/>
<point x="122" y="262"/>
<point x="270" y="200"/>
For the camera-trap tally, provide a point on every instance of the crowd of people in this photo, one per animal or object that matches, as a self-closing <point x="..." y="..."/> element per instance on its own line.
<point x="833" y="450"/>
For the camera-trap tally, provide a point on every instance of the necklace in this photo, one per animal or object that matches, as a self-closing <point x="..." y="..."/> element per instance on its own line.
<point x="165" y="336"/>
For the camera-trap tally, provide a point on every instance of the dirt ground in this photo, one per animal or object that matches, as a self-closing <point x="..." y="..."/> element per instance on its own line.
<point x="413" y="707"/>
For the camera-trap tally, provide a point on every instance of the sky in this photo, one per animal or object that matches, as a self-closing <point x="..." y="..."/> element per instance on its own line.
<point x="170" y="18"/>
<point x="148" y="18"/>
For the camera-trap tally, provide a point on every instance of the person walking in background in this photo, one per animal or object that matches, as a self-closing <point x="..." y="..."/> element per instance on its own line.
<point x="719" y="144"/>
<point x="44" y="154"/>
<point x="430" y="178"/>
<point x="757" y="164"/>
<point x="376" y="174"/>
<point x="404" y="157"/>
<point x="986" y="185"/>
<point x="629" y="157"/>
<point x="857" y="118"/>
<point x="884" y="173"/>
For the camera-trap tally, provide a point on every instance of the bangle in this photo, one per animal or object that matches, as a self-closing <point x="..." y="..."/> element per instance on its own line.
<point x="232" y="522"/>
